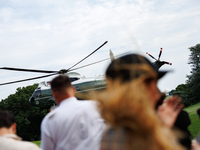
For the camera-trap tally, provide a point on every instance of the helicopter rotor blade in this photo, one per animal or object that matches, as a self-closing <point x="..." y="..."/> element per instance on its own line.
<point x="87" y="56"/>
<point x="44" y="71"/>
<point x="48" y="71"/>
<point x="98" y="62"/>
<point x="151" y="55"/>
<point x="160" y="54"/>
<point x="28" y="79"/>
<point x="88" y="65"/>
<point x="28" y="70"/>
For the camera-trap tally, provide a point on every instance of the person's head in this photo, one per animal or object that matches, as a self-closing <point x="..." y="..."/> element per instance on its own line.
<point x="7" y="123"/>
<point x="132" y="67"/>
<point x="61" y="88"/>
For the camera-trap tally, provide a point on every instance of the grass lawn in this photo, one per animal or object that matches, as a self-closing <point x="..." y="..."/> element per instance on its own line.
<point x="194" y="127"/>
<point x="37" y="142"/>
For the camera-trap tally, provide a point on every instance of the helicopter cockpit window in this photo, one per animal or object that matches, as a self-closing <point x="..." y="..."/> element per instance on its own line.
<point x="74" y="79"/>
<point x="38" y="93"/>
<point x="46" y="92"/>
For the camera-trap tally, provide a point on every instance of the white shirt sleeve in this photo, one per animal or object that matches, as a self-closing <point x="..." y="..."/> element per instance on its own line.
<point x="46" y="138"/>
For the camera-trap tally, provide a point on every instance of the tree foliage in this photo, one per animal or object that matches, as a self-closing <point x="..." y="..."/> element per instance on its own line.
<point x="193" y="82"/>
<point x="182" y="91"/>
<point x="190" y="91"/>
<point x="28" y="118"/>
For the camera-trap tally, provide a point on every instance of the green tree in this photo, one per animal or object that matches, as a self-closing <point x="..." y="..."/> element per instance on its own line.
<point x="28" y="118"/>
<point x="182" y="91"/>
<point x="193" y="82"/>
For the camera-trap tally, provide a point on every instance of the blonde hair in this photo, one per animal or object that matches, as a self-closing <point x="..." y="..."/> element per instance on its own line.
<point x="127" y="105"/>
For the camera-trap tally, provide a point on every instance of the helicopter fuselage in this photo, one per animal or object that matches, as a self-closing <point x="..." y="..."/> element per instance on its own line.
<point x="42" y="96"/>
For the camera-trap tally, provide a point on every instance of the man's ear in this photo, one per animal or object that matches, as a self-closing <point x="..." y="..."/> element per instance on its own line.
<point x="55" y="94"/>
<point x="13" y="127"/>
<point x="74" y="89"/>
<point x="71" y="91"/>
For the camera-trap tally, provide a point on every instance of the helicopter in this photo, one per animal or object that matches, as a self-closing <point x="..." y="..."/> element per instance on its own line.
<point x="42" y="96"/>
<point x="158" y="63"/>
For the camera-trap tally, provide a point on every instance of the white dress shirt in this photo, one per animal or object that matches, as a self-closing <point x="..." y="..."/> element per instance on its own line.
<point x="73" y="125"/>
<point x="13" y="142"/>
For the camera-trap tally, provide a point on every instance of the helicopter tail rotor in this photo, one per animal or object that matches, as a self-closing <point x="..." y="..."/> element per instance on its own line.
<point x="165" y="62"/>
<point x="151" y="56"/>
<point x="159" y="63"/>
<point x="160" y="54"/>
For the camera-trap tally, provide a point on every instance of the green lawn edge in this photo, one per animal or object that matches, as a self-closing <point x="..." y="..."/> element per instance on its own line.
<point x="37" y="142"/>
<point x="194" y="127"/>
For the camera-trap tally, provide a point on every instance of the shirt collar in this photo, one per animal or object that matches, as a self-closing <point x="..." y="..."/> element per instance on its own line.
<point x="68" y="100"/>
<point x="12" y="136"/>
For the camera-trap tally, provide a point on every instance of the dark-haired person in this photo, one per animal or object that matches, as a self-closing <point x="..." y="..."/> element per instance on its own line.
<point x="73" y="125"/>
<point x="8" y="138"/>
<point x="182" y="123"/>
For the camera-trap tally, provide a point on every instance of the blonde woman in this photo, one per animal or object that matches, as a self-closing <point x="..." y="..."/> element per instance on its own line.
<point x="128" y="107"/>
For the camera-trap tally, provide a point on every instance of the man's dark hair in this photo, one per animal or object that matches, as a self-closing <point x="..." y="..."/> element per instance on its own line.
<point x="6" y="119"/>
<point x="60" y="83"/>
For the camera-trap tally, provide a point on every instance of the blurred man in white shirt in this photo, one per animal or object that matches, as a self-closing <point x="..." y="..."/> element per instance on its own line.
<point x="73" y="125"/>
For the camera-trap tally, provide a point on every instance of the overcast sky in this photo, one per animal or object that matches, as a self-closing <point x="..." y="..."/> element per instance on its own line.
<point x="52" y="35"/>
